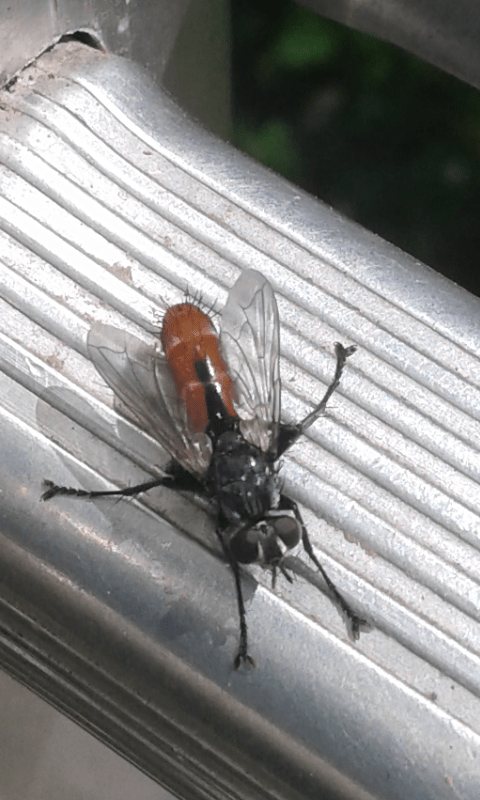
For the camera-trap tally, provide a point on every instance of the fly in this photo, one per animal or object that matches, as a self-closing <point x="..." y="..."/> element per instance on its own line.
<point x="214" y="405"/>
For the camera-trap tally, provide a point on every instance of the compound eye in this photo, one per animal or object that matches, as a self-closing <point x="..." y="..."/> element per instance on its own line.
<point x="287" y="530"/>
<point x="244" y="549"/>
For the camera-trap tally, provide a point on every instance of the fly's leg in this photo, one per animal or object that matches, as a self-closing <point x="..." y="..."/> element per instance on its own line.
<point x="179" y="479"/>
<point x="288" y="434"/>
<point x="242" y="654"/>
<point x="342" y="353"/>
<point x="353" y="622"/>
<point x="52" y="490"/>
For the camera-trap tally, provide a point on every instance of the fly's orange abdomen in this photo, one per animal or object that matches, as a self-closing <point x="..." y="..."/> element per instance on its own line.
<point x="188" y="336"/>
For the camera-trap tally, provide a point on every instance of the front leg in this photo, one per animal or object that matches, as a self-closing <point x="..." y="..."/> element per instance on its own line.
<point x="353" y="622"/>
<point x="242" y="654"/>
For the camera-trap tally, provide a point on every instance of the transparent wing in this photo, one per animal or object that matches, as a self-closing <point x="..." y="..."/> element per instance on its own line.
<point x="141" y="379"/>
<point x="250" y="341"/>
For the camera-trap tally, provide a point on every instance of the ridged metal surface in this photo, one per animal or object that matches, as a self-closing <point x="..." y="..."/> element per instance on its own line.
<point x="112" y="204"/>
<point x="167" y="37"/>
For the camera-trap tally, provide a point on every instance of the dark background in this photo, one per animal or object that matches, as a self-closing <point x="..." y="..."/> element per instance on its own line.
<point x="383" y="137"/>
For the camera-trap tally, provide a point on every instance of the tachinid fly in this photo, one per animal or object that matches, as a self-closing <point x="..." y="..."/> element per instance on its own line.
<point x="214" y="405"/>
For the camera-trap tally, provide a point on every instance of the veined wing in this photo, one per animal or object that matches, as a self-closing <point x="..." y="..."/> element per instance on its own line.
<point x="250" y="340"/>
<point x="141" y="379"/>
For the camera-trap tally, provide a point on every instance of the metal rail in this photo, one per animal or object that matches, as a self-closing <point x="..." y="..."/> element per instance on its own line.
<point x="442" y="32"/>
<point x="113" y="203"/>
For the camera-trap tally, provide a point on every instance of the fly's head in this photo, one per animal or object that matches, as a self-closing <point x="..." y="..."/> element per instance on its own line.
<point x="267" y="542"/>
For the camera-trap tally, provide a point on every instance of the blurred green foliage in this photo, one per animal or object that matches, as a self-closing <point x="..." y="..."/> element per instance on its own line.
<point x="387" y="139"/>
